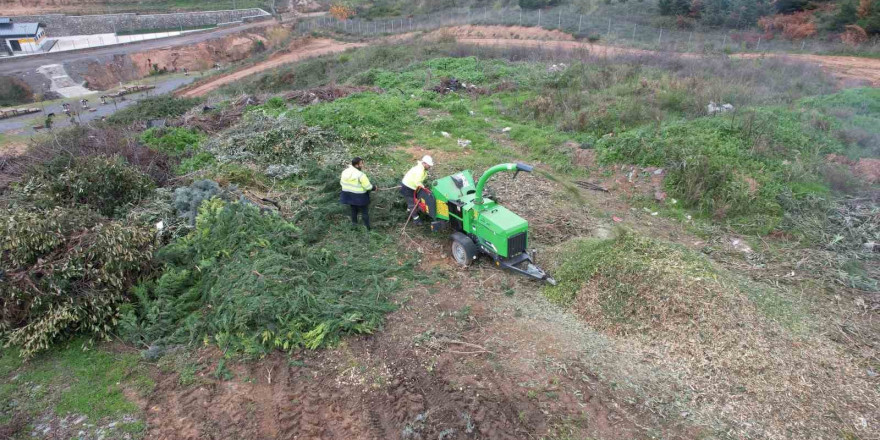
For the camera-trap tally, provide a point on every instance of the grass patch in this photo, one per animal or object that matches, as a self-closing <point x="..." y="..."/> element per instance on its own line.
<point x="731" y="170"/>
<point x="73" y="378"/>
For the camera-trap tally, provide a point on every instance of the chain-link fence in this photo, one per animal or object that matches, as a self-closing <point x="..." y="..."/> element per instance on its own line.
<point x="594" y="28"/>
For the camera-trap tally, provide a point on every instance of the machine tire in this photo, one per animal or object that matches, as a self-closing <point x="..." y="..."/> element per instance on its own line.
<point x="464" y="250"/>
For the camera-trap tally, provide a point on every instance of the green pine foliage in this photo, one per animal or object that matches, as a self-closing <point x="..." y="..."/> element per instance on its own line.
<point x="246" y="281"/>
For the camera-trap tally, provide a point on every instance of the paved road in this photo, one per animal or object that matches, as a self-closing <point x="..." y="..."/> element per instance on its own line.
<point x="21" y="64"/>
<point x="23" y="125"/>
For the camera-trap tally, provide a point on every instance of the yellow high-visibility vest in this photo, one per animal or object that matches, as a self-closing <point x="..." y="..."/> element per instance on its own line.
<point x="415" y="177"/>
<point x="354" y="181"/>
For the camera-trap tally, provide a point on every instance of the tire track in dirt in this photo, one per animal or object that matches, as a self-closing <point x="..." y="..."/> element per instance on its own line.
<point x="312" y="48"/>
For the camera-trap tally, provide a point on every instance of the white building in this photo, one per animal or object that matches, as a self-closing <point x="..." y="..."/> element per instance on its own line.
<point x="20" y="37"/>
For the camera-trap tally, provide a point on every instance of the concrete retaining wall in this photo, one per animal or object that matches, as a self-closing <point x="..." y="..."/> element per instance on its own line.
<point x="60" y="25"/>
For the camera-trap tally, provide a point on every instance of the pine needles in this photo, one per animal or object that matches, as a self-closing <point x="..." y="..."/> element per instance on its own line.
<point x="249" y="283"/>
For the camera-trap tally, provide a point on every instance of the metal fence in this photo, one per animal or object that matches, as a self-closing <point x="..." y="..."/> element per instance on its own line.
<point x="594" y="28"/>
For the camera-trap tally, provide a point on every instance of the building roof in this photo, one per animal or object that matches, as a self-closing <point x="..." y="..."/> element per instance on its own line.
<point x="19" y="30"/>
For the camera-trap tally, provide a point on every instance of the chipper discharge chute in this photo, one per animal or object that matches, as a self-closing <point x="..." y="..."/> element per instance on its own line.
<point x="479" y="224"/>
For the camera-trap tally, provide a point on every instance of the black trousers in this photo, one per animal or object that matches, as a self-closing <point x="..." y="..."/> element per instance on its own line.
<point x="365" y="214"/>
<point x="410" y="202"/>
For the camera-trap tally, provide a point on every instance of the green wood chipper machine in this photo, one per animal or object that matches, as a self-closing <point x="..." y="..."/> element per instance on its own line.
<point x="480" y="225"/>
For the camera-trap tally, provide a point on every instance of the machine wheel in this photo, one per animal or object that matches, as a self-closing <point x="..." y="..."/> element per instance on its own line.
<point x="464" y="250"/>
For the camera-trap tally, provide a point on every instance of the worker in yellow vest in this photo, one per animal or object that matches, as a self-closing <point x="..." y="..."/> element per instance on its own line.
<point x="356" y="189"/>
<point x="413" y="179"/>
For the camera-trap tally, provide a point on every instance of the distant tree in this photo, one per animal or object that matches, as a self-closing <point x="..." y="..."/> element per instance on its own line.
<point x="537" y="4"/>
<point x="846" y="14"/>
<point x="674" y="7"/>
<point x="789" y="6"/>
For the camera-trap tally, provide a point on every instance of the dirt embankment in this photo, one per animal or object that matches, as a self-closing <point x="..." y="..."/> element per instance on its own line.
<point x="305" y="49"/>
<point x="104" y="74"/>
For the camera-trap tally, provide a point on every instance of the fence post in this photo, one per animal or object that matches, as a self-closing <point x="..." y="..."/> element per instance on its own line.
<point x="660" y="37"/>
<point x="539" y="18"/>
<point x="804" y="43"/>
<point x="609" y="27"/>
<point x="559" y="22"/>
<point x="634" y="31"/>
<point x="758" y="47"/>
<point x="689" y="40"/>
<point x="724" y="42"/>
<point x="520" y="16"/>
<point x="580" y="22"/>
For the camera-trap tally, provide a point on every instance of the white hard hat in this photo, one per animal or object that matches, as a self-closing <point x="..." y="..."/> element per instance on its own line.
<point x="427" y="159"/>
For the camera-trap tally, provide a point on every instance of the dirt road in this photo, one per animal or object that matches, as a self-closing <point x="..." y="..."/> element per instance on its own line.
<point x="21" y="64"/>
<point x="311" y="49"/>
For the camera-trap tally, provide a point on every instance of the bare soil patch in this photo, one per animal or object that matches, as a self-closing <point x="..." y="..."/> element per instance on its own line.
<point x="499" y="32"/>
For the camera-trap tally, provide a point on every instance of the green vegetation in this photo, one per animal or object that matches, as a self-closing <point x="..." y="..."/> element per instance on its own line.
<point x="729" y="169"/>
<point x="74" y="379"/>
<point x="158" y="107"/>
<point x="13" y="91"/>
<point x="256" y="286"/>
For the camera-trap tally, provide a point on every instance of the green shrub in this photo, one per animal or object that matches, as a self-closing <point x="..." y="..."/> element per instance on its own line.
<point x="14" y="91"/>
<point x="108" y="185"/>
<point x="164" y="106"/>
<point x="725" y="169"/>
<point x="246" y="282"/>
<point x="173" y="141"/>
<point x="65" y="274"/>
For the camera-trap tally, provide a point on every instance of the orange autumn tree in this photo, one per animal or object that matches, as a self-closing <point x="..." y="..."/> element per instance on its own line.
<point x="341" y="12"/>
<point x="864" y="8"/>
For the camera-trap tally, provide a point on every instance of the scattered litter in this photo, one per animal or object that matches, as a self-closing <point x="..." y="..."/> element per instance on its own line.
<point x="448" y="85"/>
<point x="658" y="171"/>
<point x="714" y="108"/>
<point x="871" y="246"/>
<point x="471" y="112"/>
<point x="464" y="143"/>
<point x="740" y="246"/>
<point x="673" y="201"/>
<point x="555" y="68"/>
<point x="655" y="213"/>
<point x="505" y="130"/>
<point x="445" y="134"/>
<point x="326" y="93"/>
<point x="617" y="219"/>
<point x="688" y="216"/>
<point x="659" y="196"/>
<point x="160" y="226"/>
